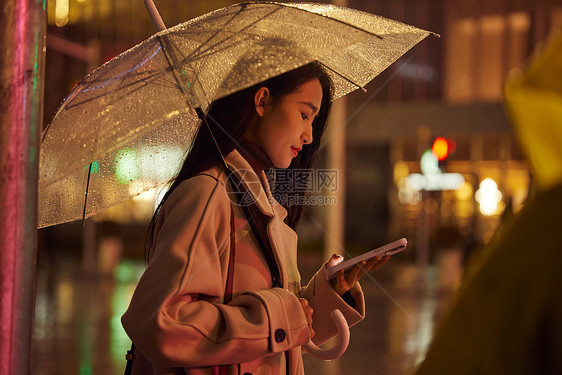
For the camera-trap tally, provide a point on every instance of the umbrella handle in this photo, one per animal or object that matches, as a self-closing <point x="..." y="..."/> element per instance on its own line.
<point x="154" y="15"/>
<point x="341" y="345"/>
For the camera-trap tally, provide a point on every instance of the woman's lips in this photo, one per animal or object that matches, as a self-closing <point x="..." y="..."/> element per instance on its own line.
<point x="295" y="150"/>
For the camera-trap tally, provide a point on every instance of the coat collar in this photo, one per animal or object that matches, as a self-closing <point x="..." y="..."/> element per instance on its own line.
<point x="256" y="186"/>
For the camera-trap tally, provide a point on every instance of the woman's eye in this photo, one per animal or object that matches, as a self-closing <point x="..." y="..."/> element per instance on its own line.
<point x="304" y="116"/>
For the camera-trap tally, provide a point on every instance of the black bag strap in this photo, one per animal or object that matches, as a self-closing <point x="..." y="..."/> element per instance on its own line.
<point x="229" y="290"/>
<point x="130" y="356"/>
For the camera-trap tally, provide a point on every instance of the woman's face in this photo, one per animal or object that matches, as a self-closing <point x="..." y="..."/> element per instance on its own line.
<point x="284" y="124"/>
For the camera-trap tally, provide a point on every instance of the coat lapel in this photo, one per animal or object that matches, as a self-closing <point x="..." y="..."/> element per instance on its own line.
<point x="250" y="182"/>
<point x="282" y="239"/>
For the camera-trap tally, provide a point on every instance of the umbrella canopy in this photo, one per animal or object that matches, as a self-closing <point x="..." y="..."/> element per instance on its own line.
<point x="125" y="128"/>
<point x="534" y="100"/>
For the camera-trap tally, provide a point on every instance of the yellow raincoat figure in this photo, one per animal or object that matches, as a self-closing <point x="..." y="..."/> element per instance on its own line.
<point x="507" y="317"/>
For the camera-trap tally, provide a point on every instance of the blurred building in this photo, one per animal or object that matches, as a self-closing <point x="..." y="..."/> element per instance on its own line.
<point x="452" y="88"/>
<point x="449" y="87"/>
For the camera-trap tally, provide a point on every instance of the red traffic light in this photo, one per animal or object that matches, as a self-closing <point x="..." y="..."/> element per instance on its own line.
<point x="442" y="148"/>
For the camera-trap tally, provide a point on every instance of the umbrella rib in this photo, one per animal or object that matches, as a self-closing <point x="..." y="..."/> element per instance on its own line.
<point x="100" y="80"/>
<point x="202" y="52"/>
<point x="232" y="18"/>
<point x="126" y="75"/>
<point x="319" y="14"/>
<point x="206" y="51"/>
<point x="129" y="74"/>
<point x="86" y="193"/>
<point x="121" y="87"/>
<point x="123" y="75"/>
<point x="195" y="51"/>
<point x="260" y="20"/>
<point x="343" y="76"/>
<point x="139" y="85"/>
<point x="172" y="63"/>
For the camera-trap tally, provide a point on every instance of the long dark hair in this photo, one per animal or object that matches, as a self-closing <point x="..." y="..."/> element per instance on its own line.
<point x="229" y="118"/>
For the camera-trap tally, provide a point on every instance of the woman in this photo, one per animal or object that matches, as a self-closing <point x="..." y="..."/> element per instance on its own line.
<point x="199" y="309"/>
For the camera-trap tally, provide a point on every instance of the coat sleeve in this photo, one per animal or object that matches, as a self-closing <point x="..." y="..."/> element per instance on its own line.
<point x="323" y="299"/>
<point x="176" y="317"/>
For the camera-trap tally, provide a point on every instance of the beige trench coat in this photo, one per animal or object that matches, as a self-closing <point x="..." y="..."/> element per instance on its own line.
<point x="177" y="318"/>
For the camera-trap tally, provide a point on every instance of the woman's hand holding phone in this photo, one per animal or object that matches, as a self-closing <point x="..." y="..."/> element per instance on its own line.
<point x="345" y="280"/>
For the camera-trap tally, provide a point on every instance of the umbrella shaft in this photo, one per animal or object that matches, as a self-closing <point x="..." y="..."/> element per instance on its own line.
<point x="205" y="123"/>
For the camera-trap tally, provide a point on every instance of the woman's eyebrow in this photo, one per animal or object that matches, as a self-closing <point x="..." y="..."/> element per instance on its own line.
<point x="312" y="106"/>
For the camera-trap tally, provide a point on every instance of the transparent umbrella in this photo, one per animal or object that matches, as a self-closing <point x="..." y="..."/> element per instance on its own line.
<point x="125" y="128"/>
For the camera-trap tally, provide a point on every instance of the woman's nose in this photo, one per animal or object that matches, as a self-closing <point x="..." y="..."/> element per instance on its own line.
<point x="306" y="136"/>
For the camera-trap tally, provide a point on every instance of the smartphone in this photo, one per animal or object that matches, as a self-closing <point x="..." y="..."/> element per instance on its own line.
<point x="389" y="249"/>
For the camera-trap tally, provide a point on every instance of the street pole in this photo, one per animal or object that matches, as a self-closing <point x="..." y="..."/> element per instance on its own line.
<point x="23" y="26"/>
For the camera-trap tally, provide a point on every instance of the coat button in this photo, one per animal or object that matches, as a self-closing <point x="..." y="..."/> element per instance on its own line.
<point x="280" y="335"/>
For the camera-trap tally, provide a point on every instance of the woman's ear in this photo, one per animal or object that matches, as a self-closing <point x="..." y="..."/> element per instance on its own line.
<point x="260" y="98"/>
